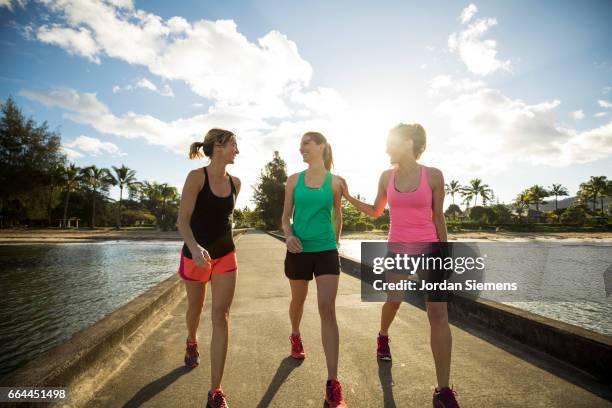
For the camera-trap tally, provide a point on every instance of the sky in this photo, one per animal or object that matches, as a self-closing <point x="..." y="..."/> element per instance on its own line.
<point x="514" y="93"/>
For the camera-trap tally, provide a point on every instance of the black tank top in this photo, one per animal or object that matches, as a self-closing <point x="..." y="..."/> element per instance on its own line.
<point x="211" y="221"/>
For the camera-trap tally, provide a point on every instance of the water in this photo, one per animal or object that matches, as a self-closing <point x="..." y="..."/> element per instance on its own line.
<point x="567" y="281"/>
<point x="49" y="292"/>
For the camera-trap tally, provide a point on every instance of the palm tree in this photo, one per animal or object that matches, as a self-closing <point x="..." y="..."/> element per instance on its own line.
<point x="557" y="190"/>
<point x="599" y="184"/>
<point x="124" y="177"/>
<point x="536" y="194"/>
<point x="475" y="188"/>
<point x="97" y="180"/>
<point x="71" y="176"/>
<point x="486" y="194"/>
<point x="521" y="203"/>
<point x="452" y="188"/>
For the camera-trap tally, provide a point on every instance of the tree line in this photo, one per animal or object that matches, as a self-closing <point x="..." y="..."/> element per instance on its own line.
<point x="39" y="187"/>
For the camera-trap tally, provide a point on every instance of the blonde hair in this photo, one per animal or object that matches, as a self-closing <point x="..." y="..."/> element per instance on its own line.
<point x="318" y="138"/>
<point x="414" y="132"/>
<point x="213" y="136"/>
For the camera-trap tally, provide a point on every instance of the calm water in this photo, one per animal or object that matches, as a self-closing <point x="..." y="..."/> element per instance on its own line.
<point x="562" y="280"/>
<point x="50" y="292"/>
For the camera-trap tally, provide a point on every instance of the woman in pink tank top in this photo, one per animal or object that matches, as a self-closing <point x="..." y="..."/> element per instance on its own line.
<point x="415" y="194"/>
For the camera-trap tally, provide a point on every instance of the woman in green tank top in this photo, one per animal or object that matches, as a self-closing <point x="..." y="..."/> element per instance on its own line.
<point x="313" y="200"/>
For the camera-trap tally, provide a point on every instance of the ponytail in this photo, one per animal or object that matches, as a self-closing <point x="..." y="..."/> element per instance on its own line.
<point x="328" y="158"/>
<point x="194" y="150"/>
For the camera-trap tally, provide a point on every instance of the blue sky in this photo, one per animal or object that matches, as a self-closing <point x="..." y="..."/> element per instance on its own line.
<point x="515" y="93"/>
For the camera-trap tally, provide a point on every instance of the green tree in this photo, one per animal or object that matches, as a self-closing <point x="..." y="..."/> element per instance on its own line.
<point x="269" y="192"/>
<point x="70" y="180"/>
<point x="452" y="212"/>
<point x="536" y="195"/>
<point x="123" y="177"/>
<point x="521" y="203"/>
<point x="474" y="189"/>
<point x="574" y="214"/>
<point x="29" y="157"/>
<point x="557" y="190"/>
<point x="97" y="181"/>
<point x="453" y="187"/>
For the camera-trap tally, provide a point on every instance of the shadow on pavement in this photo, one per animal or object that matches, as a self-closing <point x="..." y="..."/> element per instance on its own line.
<point x="155" y="387"/>
<point x="287" y="365"/>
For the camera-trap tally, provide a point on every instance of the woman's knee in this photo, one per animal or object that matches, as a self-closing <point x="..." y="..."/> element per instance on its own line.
<point x="220" y="315"/>
<point x="327" y="309"/>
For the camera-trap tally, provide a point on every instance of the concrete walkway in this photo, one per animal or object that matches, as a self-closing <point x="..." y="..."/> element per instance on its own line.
<point x="486" y="372"/>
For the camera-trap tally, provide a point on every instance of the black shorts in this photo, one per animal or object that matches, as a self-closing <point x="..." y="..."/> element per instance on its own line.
<point x="432" y="275"/>
<point x="305" y="265"/>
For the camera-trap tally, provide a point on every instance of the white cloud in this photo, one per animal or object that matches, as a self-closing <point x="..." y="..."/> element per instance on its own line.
<point x="600" y="114"/>
<point x="605" y="104"/>
<point x="10" y="3"/>
<point x="577" y="115"/>
<point x="93" y="147"/>
<point x="492" y="131"/>
<point x="423" y="66"/>
<point x="212" y="57"/>
<point x="76" y="42"/>
<point x="468" y="13"/>
<point x="197" y="105"/>
<point x="71" y="154"/>
<point x="478" y="54"/>
<point x="442" y="83"/>
<point x="143" y="83"/>
<point x="85" y="108"/>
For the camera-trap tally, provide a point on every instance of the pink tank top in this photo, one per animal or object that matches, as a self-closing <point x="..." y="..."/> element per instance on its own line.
<point x="411" y="212"/>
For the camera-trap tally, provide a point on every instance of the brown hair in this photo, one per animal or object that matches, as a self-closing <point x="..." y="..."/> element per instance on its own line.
<point x="414" y="132"/>
<point x="213" y="136"/>
<point x="318" y="138"/>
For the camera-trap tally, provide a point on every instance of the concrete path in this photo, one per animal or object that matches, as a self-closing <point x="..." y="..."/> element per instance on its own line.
<point x="486" y="372"/>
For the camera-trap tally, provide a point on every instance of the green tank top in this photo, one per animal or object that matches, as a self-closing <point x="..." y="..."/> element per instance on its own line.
<point x="313" y="221"/>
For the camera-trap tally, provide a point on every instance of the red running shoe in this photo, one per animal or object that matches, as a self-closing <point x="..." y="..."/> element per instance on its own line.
<point x="383" y="351"/>
<point x="216" y="399"/>
<point x="297" y="349"/>
<point x="445" y="398"/>
<point x="192" y="356"/>
<point x="333" y="394"/>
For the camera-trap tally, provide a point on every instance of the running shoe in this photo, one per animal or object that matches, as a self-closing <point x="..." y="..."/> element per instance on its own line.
<point x="445" y="398"/>
<point x="383" y="351"/>
<point x="297" y="348"/>
<point x="333" y="394"/>
<point x="192" y="356"/>
<point x="216" y="399"/>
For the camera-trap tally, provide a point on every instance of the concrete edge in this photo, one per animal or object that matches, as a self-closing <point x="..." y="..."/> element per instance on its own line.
<point x="581" y="348"/>
<point x="103" y="344"/>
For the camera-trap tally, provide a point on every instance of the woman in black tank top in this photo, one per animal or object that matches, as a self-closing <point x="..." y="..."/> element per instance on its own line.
<point x="205" y="223"/>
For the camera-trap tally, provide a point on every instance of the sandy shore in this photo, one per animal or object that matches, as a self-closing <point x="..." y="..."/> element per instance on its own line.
<point x="51" y="235"/>
<point x="499" y="236"/>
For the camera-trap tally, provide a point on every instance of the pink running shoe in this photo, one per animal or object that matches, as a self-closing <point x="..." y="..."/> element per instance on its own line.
<point x="383" y="351"/>
<point x="297" y="349"/>
<point x="333" y="394"/>
<point x="445" y="398"/>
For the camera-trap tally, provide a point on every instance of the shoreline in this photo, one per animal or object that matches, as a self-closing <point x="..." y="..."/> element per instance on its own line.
<point x="51" y="235"/>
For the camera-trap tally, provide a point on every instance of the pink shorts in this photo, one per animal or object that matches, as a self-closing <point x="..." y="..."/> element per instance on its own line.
<point x="189" y="271"/>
